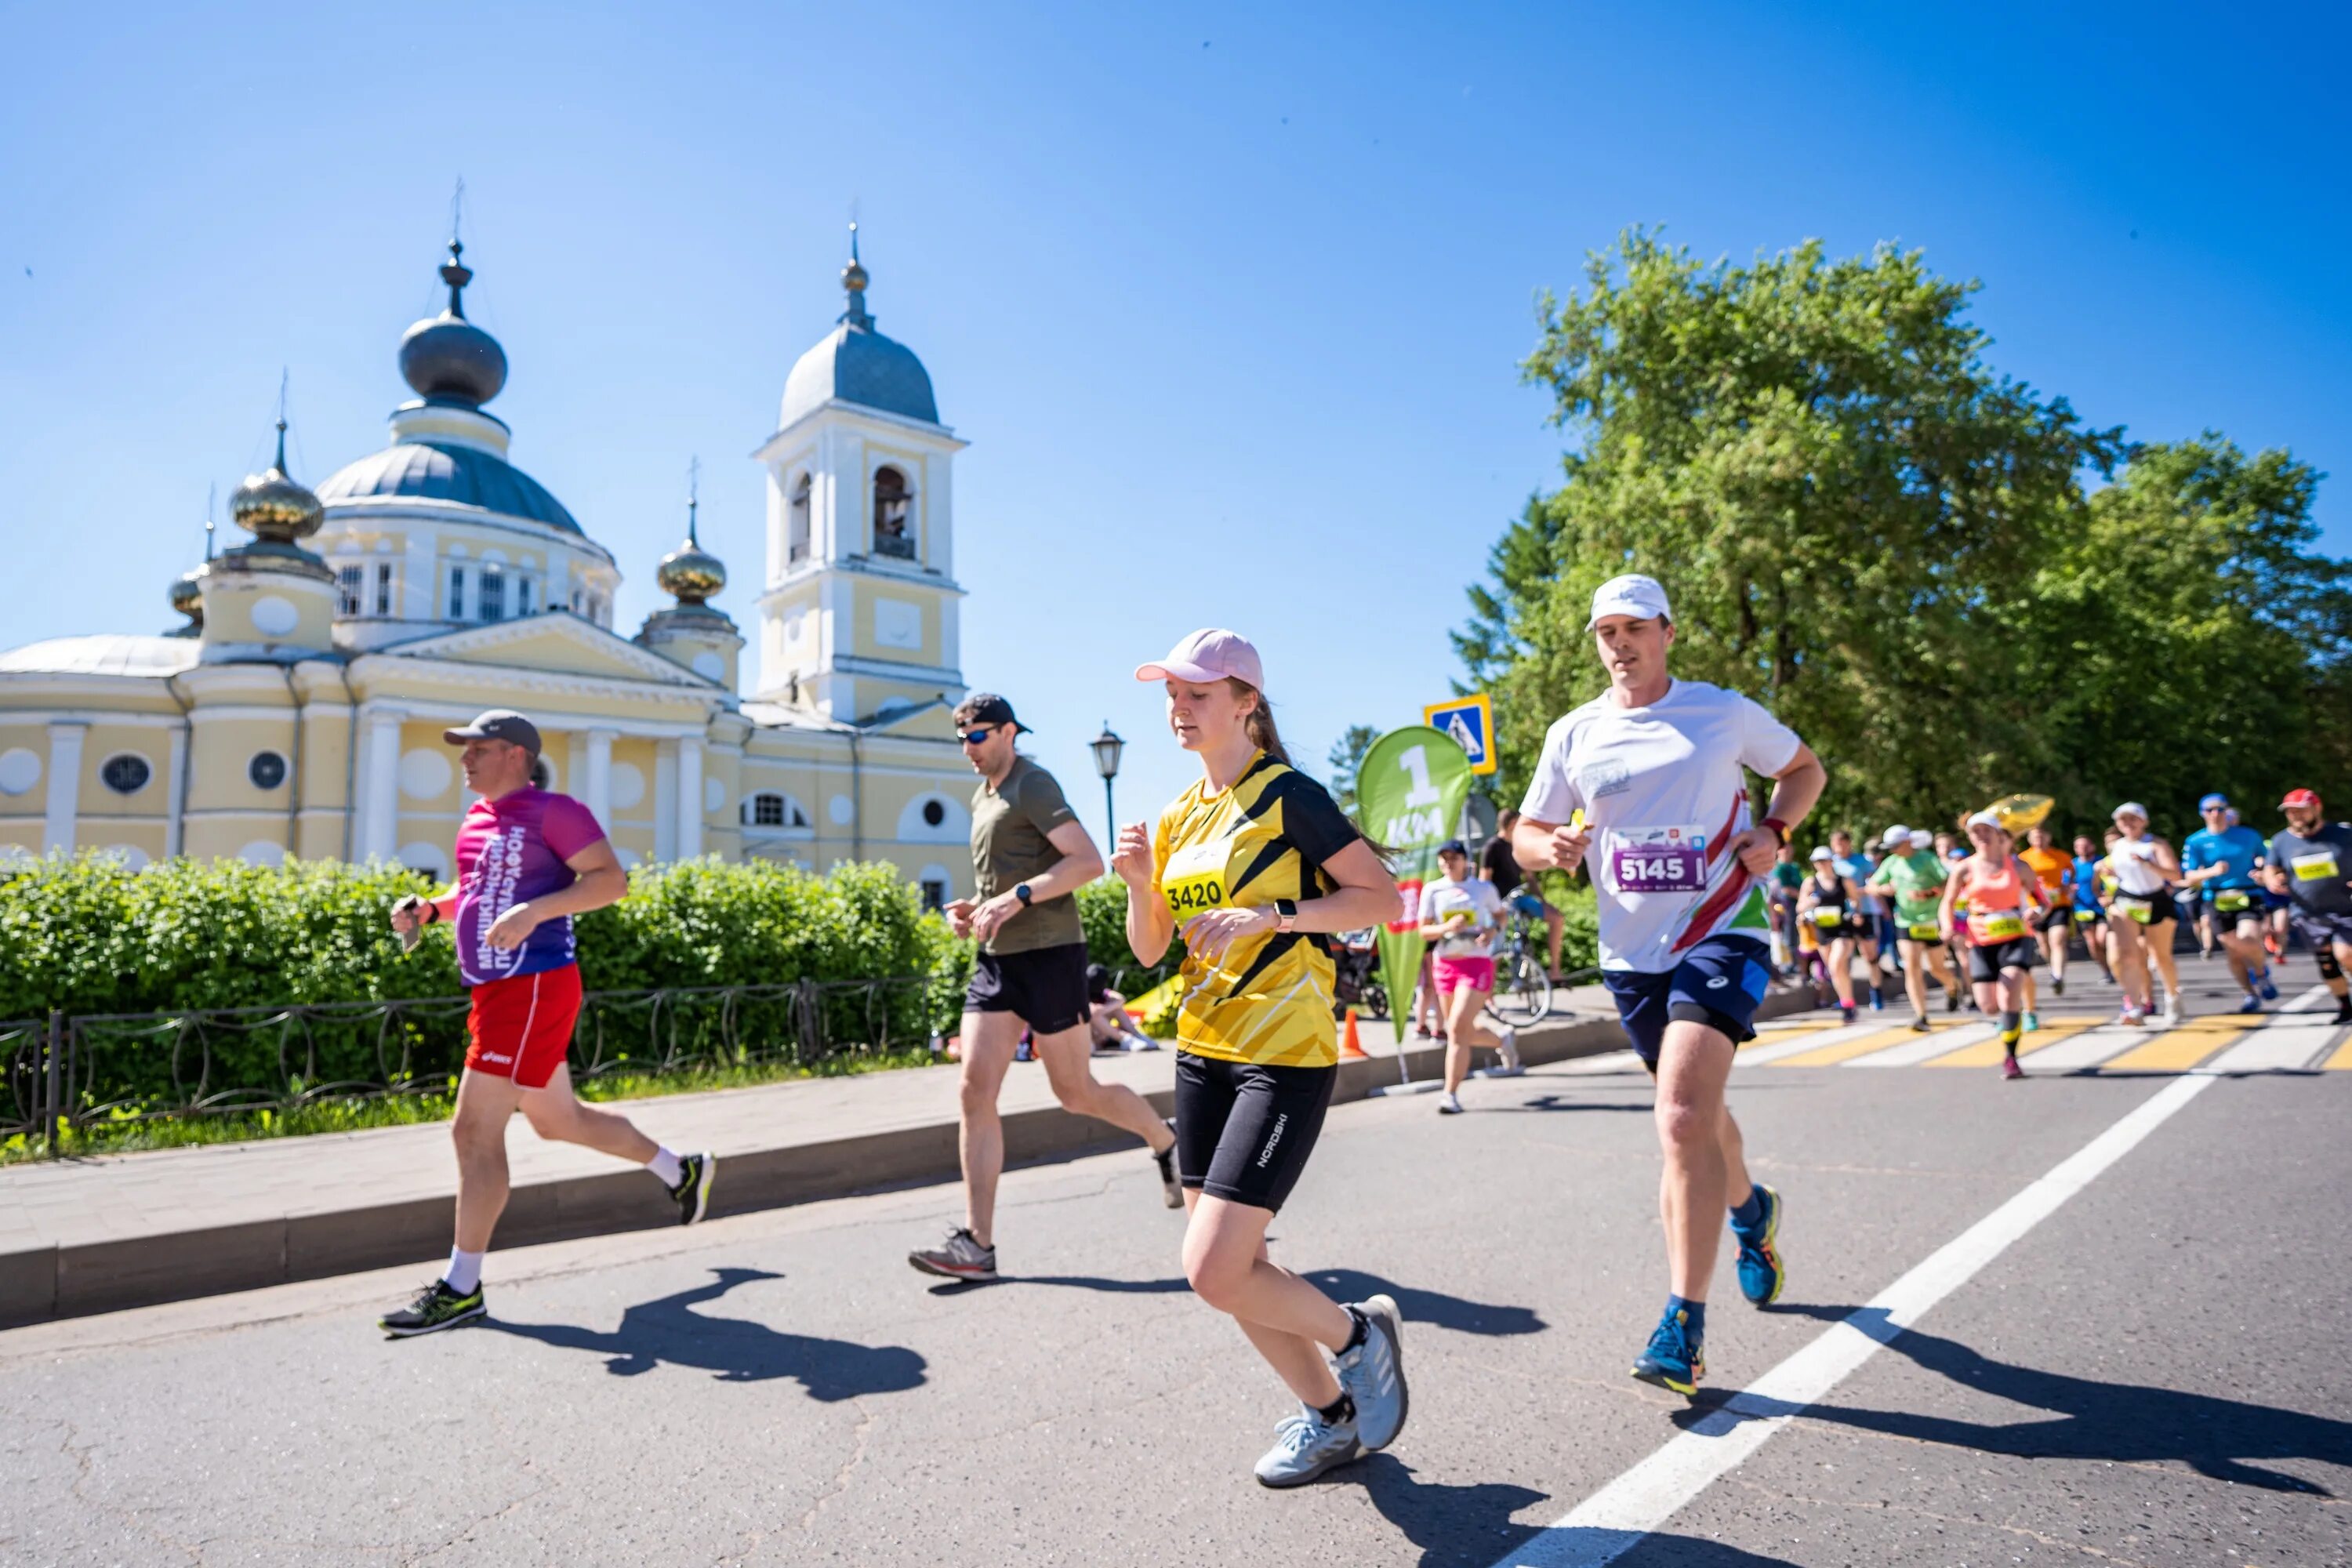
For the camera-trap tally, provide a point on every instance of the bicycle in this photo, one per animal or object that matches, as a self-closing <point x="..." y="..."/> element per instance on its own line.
<point x="1523" y="986"/>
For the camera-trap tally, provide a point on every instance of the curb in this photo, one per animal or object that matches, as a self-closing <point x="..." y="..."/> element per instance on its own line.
<point x="112" y="1276"/>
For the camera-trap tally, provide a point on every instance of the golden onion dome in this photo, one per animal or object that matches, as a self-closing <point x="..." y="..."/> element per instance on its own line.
<point x="691" y="574"/>
<point x="272" y="507"/>
<point x="188" y="595"/>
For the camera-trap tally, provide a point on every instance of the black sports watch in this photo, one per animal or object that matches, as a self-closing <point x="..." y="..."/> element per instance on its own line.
<point x="1286" y="914"/>
<point x="1021" y="891"/>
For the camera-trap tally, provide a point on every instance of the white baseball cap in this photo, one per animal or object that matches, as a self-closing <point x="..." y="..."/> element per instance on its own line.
<point x="1821" y="852"/>
<point x="1209" y="654"/>
<point x="1898" y="834"/>
<point x="1988" y="819"/>
<point x="1631" y="595"/>
<point x="2131" y="808"/>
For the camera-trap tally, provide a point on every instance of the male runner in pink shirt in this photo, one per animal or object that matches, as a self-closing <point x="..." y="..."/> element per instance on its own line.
<point x="528" y="861"/>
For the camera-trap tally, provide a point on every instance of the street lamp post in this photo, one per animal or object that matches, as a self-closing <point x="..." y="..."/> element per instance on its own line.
<point x="1107" y="747"/>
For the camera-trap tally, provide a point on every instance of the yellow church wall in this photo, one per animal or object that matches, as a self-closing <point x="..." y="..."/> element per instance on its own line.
<point x="103" y="740"/>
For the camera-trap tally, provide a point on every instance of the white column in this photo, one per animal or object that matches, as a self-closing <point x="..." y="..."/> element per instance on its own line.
<point x="666" y="800"/>
<point x="690" y="797"/>
<point x="380" y="830"/>
<point x="175" y="794"/>
<point x="575" y="765"/>
<point x="65" y="788"/>
<point x="599" y="794"/>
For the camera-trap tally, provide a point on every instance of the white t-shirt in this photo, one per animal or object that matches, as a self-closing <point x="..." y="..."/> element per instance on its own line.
<point x="1665" y="789"/>
<point x="1443" y="898"/>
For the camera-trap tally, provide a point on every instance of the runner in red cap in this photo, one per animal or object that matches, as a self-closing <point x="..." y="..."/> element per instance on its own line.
<point x="528" y="861"/>
<point x="2311" y="863"/>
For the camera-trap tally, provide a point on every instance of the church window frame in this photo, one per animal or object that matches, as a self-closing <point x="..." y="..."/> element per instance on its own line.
<point x="348" y="584"/>
<point x="384" y="588"/>
<point x="775" y="809"/>
<point x="490" y="593"/>
<point x="126" y="772"/>
<point x="800" y="521"/>
<point x="457" y="590"/>
<point x="267" y="770"/>
<point x="893" y="514"/>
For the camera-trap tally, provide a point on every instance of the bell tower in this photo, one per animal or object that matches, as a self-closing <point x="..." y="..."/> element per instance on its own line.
<point x="859" y="612"/>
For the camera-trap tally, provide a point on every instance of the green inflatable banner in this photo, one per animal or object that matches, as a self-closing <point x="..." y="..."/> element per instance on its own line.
<point x="1410" y="792"/>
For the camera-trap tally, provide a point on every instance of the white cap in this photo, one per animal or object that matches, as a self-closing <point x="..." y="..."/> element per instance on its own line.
<point x="1821" y="852"/>
<point x="1209" y="654"/>
<point x="1988" y="819"/>
<point x="2131" y="808"/>
<point x="1632" y="594"/>
<point x="1922" y="839"/>
<point x="1898" y="834"/>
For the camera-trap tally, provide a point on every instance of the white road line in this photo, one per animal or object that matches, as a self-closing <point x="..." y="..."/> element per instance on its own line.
<point x="2284" y="1045"/>
<point x="1926" y="1048"/>
<point x="2092" y="1047"/>
<point x="1615" y="1519"/>
<point x="1755" y="1053"/>
<point x="2311" y="1001"/>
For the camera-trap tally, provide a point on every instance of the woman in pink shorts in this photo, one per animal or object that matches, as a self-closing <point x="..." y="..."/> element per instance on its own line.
<point x="1461" y="915"/>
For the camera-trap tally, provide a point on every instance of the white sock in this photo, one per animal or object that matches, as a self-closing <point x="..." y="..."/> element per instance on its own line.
<point x="464" y="1271"/>
<point x="665" y="1165"/>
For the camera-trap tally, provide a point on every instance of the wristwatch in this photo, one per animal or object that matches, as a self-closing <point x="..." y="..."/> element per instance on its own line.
<point x="1021" y="891"/>
<point x="1285" y="915"/>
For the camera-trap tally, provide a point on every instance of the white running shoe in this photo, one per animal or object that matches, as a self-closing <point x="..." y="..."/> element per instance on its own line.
<point x="1305" y="1446"/>
<point x="1512" y="1066"/>
<point x="1373" y="1373"/>
<point x="1449" y="1104"/>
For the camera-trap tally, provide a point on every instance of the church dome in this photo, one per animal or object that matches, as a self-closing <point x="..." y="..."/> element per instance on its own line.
<point x="854" y="363"/>
<point x="272" y="507"/>
<point x="448" y="472"/>
<point x="447" y="357"/>
<point x="690" y="574"/>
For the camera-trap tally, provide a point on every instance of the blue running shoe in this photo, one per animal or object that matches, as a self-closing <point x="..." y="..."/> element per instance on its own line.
<point x="2251" y="1004"/>
<point x="1762" y="1274"/>
<point x="1673" y="1359"/>
<point x="2270" y="992"/>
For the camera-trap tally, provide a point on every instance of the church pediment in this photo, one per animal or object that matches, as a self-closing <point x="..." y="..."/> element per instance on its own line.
<point x="557" y="642"/>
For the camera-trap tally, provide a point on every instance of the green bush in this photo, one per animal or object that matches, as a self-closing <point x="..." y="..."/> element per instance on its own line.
<point x="1102" y="912"/>
<point x="85" y="935"/>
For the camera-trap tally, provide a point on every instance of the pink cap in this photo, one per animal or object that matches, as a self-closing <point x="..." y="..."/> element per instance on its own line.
<point x="1209" y="654"/>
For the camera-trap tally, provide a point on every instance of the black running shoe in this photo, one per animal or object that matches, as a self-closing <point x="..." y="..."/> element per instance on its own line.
<point x="437" y="1306"/>
<point x="1171" y="1184"/>
<point x="692" y="1193"/>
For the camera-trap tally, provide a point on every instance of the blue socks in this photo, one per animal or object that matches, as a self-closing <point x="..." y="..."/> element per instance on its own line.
<point x="1749" y="1215"/>
<point x="1693" y="1317"/>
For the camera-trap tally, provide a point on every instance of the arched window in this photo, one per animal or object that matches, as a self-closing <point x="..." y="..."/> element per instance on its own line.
<point x="796" y="523"/>
<point x="769" y="809"/>
<point x="893" y="515"/>
<point x="490" y="593"/>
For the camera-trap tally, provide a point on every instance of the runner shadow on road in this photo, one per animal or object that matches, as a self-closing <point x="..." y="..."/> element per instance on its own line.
<point x="1432" y="1306"/>
<point x="737" y="1349"/>
<point x="1471" y="1526"/>
<point x="2126" y="1423"/>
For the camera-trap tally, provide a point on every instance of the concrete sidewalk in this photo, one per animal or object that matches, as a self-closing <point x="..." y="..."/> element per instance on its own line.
<point x="98" y="1235"/>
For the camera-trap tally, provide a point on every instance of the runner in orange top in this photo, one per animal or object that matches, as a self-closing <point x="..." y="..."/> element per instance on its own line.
<point x="2055" y="870"/>
<point x="2003" y="895"/>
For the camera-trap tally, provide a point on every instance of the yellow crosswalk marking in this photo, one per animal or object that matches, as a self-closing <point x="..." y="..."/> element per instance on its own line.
<point x="1846" y="1051"/>
<point x="2178" y="1050"/>
<point x="1988" y="1053"/>
<point x="2341" y="1061"/>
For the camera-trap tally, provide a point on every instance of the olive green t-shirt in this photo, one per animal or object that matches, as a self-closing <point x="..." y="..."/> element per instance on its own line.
<point x="1009" y="846"/>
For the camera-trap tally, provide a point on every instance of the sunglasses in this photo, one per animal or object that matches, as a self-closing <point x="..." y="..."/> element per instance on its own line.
<point x="974" y="737"/>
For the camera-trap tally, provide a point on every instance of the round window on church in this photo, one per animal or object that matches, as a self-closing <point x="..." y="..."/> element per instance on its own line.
<point x="934" y="812"/>
<point x="267" y="770"/>
<point x="127" y="774"/>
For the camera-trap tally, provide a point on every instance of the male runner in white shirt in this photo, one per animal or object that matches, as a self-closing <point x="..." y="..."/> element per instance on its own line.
<point x="1649" y="780"/>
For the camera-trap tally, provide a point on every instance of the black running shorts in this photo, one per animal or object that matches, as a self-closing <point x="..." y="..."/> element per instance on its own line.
<point x="2159" y="905"/>
<point x="1044" y="987"/>
<point x="1243" y="1132"/>
<point x="1985" y="963"/>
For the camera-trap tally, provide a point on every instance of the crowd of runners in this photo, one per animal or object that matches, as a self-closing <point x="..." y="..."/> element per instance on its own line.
<point x="1253" y="869"/>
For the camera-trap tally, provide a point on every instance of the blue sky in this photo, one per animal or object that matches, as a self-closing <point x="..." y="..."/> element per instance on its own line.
<point x="1230" y="305"/>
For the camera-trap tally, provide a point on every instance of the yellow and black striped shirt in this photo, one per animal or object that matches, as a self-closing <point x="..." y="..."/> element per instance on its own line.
<point x="1269" y="1002"/>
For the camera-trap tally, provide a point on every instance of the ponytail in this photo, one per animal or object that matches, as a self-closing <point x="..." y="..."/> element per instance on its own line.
<point x="1259" y="722"/>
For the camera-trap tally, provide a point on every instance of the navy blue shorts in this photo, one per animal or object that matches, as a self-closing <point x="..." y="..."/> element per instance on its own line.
<point x="1718" y="984"/>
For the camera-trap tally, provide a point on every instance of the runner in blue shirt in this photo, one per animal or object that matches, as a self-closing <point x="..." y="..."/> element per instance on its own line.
<point x="1875" y="935"/>
<point x="2221" y="860"/>
<point x="2090" y="909"/>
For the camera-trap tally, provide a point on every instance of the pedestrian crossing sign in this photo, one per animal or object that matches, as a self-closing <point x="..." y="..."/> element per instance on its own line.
<point x="1471" y="722"/>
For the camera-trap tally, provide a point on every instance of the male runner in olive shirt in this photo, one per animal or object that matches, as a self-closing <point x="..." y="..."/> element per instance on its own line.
<point x="1029" y="856"/>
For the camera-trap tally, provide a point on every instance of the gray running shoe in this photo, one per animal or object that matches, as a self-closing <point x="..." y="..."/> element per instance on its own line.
<point x="1171" y="1182"/>
<point x="1304" y="1447"/>
<point x="1373" y="1373"/>
<point x="1511" y="1064"/>
<point x="960" y="1257"/>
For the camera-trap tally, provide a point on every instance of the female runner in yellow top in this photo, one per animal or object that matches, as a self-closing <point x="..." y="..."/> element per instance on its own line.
<point x="1253" y="868"/>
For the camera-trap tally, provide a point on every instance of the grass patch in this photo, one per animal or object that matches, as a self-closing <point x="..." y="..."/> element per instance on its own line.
<point x="362" y="1113"/>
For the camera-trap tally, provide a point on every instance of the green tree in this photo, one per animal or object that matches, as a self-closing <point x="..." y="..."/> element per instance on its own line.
<point x="1843" y="500"/>
<point x="2186" y="638"/>
<point x="1346" y="761"/>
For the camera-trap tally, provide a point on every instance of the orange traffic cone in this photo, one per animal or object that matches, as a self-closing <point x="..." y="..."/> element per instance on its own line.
<point x="1349" y="1046"/>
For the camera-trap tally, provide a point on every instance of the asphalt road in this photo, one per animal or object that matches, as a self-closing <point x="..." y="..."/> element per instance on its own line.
<point x="2148" y="1375"/>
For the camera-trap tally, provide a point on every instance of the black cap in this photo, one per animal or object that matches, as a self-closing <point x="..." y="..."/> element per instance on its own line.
<point x="497" y="724"/>
<point x="1453" y="847"/>
<point x="988" y="707"/>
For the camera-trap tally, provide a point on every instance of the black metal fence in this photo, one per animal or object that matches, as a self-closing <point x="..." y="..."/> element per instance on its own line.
<point x="67" y="1073"/>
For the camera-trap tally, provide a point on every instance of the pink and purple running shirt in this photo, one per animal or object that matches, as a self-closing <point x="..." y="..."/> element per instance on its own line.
<point x="509" y="851"/>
